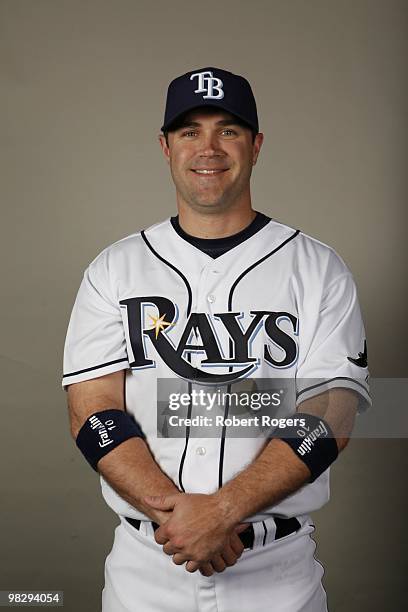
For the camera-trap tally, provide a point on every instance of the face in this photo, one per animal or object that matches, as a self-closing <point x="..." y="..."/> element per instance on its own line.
<point x="211" y="159"/>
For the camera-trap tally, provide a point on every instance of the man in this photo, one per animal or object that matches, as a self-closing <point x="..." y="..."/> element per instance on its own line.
<point x="216" y="297"/>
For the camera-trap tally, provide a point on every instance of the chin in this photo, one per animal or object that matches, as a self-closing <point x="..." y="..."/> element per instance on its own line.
<point x="211" y="206"/>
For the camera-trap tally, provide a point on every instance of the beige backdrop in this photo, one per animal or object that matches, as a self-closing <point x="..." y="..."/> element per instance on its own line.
<point x="83" y="85"/>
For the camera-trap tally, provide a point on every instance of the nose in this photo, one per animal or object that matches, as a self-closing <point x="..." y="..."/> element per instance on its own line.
<point x="209" y="144"/>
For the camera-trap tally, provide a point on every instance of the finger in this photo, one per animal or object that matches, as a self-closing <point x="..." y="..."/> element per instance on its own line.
<point x="161" y="502"/>
<point x="206" y="569"/>
<point x="218" y="563"/>
<point x="236" y="544"/>
<point x="160" y="517"/>
<point x="241" y="527"/>
<point x="192" y="566"/>
<point x="229" y="556"/>
<point x="160" y="537"/>
<point x="179" y="559"/>
<point x="170" y="549"/>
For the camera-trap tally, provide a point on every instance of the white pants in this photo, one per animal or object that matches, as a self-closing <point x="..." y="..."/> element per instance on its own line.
<point x="278" y="576"/>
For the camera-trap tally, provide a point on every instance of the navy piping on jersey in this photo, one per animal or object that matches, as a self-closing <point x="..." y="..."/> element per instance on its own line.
<point x="240" y="277"/>
<point x="142" y="233"/>
<point x="326" y="382"/>
<point x="184" y="453"/>
<point x="102" y="365"/>
<point x="183" y="456"/>
<point x="231" y="294"/>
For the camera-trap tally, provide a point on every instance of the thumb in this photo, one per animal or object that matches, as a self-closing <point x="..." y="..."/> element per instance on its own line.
<point x="241" y="527"/>
<point x="162" y="502"/>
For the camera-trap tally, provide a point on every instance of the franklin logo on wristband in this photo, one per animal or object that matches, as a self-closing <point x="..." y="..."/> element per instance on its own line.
<point x="314" y="444"/>
<point x="96" y="423"/>
<point x="309" y="440"/>
<point x="93" y="439"/>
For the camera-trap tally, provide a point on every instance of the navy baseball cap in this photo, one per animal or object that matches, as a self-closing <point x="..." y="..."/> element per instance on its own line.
<point x="210" y="87"/>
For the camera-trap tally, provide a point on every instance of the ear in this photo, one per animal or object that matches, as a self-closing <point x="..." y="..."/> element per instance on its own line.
<point x="259" y="138"/>
<point x="164" y="147"/>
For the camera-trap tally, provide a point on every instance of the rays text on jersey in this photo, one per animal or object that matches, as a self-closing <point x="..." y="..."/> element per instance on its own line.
<point x="239" y="347"/>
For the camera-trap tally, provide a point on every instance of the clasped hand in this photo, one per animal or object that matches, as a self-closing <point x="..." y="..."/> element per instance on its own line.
<point x="193" y="530"/>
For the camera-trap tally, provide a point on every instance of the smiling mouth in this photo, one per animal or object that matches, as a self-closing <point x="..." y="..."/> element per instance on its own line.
<point x="209" y="172"/>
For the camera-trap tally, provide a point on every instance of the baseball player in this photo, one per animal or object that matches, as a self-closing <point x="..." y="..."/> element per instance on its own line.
<point x="216" y="298"/>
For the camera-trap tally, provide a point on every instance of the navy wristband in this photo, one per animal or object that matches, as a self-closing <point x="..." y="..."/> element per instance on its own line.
<point x="313" y="443"/>
<point x="104" y="431"/>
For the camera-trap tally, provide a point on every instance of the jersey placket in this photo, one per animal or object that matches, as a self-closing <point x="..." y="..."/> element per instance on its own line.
<point x="207" y="298"/>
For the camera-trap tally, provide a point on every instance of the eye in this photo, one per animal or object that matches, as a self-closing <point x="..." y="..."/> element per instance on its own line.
<point x="233" y="132"/>
<point x="189" y="133"/>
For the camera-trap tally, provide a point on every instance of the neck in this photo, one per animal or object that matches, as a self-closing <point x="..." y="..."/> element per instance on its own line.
<point x="211" y="224"/>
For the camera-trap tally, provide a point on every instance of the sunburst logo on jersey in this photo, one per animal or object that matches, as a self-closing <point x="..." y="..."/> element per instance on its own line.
<point x="159" y="324"/>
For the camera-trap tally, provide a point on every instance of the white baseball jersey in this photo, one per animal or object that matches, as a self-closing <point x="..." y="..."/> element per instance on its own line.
<point x="279" y="305"/>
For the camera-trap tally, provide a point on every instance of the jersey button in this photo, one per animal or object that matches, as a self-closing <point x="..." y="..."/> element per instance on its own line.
<point x="211" y="298"/>
<point x="201" y="450"/>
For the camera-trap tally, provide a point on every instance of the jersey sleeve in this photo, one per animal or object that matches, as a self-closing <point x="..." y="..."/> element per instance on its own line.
<point x="95" y="343"/>
<point x="336" y="356"/>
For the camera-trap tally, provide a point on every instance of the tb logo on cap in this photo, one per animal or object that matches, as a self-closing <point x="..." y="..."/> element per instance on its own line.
<point x="213" y="83"/>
